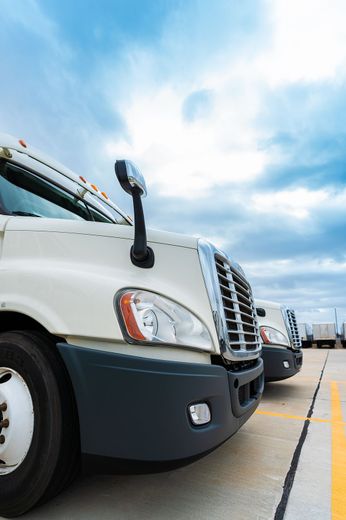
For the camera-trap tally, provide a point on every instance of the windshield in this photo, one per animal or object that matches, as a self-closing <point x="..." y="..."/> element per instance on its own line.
<point x="24" y="193"/>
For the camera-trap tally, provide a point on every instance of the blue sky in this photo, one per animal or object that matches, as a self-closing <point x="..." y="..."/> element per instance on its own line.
<point x="234" y="111"/>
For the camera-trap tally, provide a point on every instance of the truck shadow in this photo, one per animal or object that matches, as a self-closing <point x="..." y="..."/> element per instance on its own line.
<point x="208" y="488"/>
<point x="282" y="391"/>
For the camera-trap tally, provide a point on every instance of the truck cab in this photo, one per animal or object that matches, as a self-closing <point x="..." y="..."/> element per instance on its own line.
<point x="119" y="346"/>
<point x="343" y="334"/>
<point x="324" y="335"/>
<point x="305" y="333"/>
<point x="281" y="349"/>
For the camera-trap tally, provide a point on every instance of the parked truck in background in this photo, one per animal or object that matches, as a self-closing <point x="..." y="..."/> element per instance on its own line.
<point x="113" y="347"/>
<point x="343" y="334"/>
<point x="305" y="335"/>
<point x="324" y="334"/>
<point x="281" y="349"/>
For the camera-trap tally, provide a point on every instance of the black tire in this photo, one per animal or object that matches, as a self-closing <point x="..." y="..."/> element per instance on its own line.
<point x="53" y="458"/>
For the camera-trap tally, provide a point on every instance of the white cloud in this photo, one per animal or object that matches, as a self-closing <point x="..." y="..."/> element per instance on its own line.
<point x="186" y="158"/>
<point x="308" y="43"/>
<point x="290" y="266"/>
<point x="148" y="86"/>
<point x="321" y="315"/>
<point x="313" y="286"/>
<point x="298" y="203"/>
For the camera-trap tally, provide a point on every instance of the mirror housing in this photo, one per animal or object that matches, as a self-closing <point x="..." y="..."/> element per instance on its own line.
<point x="132" y="181"/>
<point x="130" y="177"/>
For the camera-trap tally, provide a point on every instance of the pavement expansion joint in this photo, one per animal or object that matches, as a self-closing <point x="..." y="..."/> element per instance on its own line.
<point x="289" y="480"/>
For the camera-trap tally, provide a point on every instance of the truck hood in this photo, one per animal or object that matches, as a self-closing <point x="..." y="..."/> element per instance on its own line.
<point x="119" y="231"/>
<point x="267" y="304"/>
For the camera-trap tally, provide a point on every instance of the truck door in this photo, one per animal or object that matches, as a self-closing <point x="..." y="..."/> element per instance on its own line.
<point x="3" y="221"/>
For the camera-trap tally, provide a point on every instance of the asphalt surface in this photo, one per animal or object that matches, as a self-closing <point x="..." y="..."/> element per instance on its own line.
<point x="279" y="465"/>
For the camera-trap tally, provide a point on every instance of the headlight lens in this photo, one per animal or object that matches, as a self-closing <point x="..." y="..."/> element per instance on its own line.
<point x="270" y="335"/>
<point x="149" y="318"/>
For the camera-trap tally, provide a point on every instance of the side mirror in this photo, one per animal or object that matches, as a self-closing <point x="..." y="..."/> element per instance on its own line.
<point x="132" y="181"/>
<point x="130" y="177"/>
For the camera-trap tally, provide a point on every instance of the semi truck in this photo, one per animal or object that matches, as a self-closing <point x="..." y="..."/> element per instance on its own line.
<point x="120" y="346"/>
<point x="305" y="334"/>
<point x="281" y="350"/>
<point x="324" y="334"/>
<point x="343" y="335"/>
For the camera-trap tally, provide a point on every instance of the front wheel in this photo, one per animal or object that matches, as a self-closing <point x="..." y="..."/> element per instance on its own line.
<point x="39" y="446"/>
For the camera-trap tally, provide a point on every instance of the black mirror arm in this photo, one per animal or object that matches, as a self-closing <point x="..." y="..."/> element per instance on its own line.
<point x="141" y="254"/>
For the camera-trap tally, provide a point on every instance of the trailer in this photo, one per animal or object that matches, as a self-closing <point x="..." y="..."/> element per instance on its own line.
<point x="324" y="334"/>
<point x="305" y="335"/>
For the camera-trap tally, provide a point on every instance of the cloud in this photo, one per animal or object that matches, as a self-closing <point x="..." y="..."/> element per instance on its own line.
<point x="314" y="287"/>
<point x="197" y="105"/>
<point x="234" y="114"/>
<point x="308" y="42"/>
<point x="298" y="203"/>
<point x="305" y="135"/>
<point x="187" y="158"/>
<point x="289" y="267"/>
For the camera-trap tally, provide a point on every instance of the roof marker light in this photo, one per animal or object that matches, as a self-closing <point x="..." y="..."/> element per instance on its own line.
<point x="22" y="143"/>
<point x="94" y="187"/>
<point x="104" y="195"/>
<point x="82" y="179"/>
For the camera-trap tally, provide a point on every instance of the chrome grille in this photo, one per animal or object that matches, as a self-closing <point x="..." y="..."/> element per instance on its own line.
<point x="238" y="306"/>
<point x="293" y="328"/>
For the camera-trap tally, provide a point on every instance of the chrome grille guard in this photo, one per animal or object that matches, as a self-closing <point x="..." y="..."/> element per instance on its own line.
<point x="292" y="327"/>
<point x="232" y="305"/>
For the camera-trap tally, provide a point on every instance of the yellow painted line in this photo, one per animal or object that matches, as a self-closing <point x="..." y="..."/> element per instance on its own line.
<point x="338" y="457"/>
<point x="297" y="417"/>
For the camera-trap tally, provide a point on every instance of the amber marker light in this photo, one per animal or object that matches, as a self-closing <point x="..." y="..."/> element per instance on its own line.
<point x="126" y="305"/>
<point x="82" y="179"/>
<point x="104" y="195"/>
<point x="22" y="143"/>
<point x="264" y="336"/>
<point x="94" y="187"/>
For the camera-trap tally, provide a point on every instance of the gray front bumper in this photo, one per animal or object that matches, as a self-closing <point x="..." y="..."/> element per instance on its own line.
<point x="274" y="357"/>
<point x="137" y="409"/>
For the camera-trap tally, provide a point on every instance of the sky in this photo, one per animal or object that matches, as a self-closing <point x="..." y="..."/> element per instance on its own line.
<point x="234" y="112"/>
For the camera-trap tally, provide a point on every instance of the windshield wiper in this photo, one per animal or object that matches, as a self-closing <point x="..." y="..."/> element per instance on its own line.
<point x="24" y="214"/>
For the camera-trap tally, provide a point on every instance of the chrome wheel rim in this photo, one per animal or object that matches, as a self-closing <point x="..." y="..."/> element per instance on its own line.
<point x="16" y="420"/>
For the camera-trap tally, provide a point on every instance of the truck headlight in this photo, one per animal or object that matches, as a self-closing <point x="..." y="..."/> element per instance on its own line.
<point x="270" y="335"/>
<point x="149" y="318"/>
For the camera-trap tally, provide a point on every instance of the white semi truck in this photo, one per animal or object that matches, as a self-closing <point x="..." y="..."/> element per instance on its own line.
<point x="113" y="347"/>
<point x="343" y="334"/>
<point x="324" y="334"/>
<point x="281" y="350"/>
<point x="305" y="334"/>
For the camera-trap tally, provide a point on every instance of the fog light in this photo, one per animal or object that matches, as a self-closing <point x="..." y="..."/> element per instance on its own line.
<point x="199" y="413"/>
<point x="286" y="364"/>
